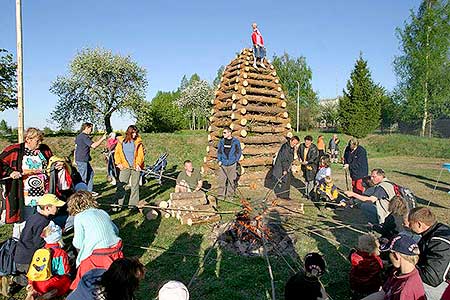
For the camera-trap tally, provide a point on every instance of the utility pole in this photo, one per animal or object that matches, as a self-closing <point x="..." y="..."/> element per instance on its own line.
<point x="298" y="104"/>
<point x="19" y="69"/>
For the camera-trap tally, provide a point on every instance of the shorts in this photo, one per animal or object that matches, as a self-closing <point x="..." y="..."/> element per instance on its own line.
<point x="260" y="52"/>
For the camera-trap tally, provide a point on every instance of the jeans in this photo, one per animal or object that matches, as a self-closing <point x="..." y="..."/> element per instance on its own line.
<point x="260" y="52"/>
<point x="87" y="174"/>
<point x="370" y="211"/>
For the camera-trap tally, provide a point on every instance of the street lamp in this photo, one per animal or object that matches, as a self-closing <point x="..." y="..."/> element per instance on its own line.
<point x="298" y="103"/>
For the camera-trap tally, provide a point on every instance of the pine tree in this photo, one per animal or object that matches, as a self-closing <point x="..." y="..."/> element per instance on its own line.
<point x="359" y="108"/>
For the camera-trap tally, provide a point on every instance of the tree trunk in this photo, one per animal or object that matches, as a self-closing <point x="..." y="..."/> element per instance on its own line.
<point x="107" y="120"/>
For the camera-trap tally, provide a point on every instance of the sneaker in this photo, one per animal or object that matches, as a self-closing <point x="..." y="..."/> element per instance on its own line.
<point x="95" y="194"/>
<point x="113" y="181"/>
<point x="262" y="65"/>
<point x="255" y="66"/>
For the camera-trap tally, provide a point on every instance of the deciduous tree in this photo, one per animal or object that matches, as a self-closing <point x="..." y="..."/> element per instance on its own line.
<point x="8" y="81"/>
<point x="99" y="83"/>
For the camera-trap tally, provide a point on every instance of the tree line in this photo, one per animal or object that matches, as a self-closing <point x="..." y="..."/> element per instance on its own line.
<point x="100" y="83"/>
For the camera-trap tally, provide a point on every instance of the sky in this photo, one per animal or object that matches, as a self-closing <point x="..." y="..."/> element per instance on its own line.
<point x="173" y="38"/>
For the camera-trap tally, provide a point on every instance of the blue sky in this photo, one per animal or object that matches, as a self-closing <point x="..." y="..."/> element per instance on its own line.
<point x="172" y="38"/>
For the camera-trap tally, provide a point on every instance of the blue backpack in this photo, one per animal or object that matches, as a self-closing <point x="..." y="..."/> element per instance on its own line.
<point x="7" y="251"/>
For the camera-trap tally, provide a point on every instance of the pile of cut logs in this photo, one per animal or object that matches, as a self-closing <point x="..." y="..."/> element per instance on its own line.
<point x="251" y="102"/>
<point x="190" y="208"/>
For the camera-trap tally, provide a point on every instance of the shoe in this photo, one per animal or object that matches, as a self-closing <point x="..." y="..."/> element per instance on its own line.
<point x="262" y="65"/>
<point x="95" y="194"/>
<point x="113" y="181"/>
<point x="255" y="66"/>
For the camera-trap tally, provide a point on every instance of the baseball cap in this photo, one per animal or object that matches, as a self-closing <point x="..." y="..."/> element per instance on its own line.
<point x="173" y="290"/>
<point x="314" y="263"/>
<point x="50" y="199"/>
<point x="402" y="244"/>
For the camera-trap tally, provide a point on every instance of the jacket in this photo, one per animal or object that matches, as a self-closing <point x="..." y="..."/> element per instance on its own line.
<point x="89" y="287"/>
<point x="434" y="258"/>
<point x="365" y="273"/>
<point x="234" y="155"/>
<point x="119" y="156"/>
<point x="11" y="158"/>
<point x="283" y="161"/>
<point x="310" y="170"/>
<point x="357" y="161"/>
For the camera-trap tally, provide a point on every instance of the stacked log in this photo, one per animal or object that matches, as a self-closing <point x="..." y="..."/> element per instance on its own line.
<point x="251" y="102"/>
<point x="190" y="208"/>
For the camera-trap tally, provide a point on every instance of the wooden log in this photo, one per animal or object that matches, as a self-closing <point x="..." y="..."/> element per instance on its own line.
<point x="257" y="150"/>
<point x="259" y="118"/>
<point x="220" y="123"/>
<point x="256" y="161"/>
<point x="263" y="139"/>
<point x="192" y="195"/>
<point x="227" y="105"/>
<point x="262" y="129"/>
<point x="259" y="76"/>
<point x="190" y="220"/>
<point x="224" y="96"/>
<point x="233" y="67"/>
<point x="274" y="110"/>
<point x="221" y="114"/>
<point x="232" y="74"/>
<point x="261" y="83"/>
<point x="262" y="99"/>
<point x="260" y="91"/>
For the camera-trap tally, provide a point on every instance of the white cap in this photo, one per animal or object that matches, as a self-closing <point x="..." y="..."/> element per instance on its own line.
<point x="173" y="290"/>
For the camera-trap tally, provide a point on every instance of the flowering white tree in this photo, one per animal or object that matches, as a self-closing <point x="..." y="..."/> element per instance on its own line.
<point x="196" y="100"/>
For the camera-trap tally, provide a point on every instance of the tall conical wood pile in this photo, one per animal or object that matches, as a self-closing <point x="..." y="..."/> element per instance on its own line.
<point x="253" y="104"/>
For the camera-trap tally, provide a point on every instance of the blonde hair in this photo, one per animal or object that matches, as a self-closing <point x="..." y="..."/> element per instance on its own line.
<point x="46" y="231"/>
<point x="80" y="201"/>
<point x="413" y="259"/>
<point x="422" y="214"/>
<point x="32" y="133"/>
<point x="368" y="243"/>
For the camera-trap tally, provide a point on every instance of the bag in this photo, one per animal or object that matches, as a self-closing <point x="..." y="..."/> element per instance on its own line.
<point x="40" y="266"/>
<point x="404" y="193"/>
<point x="7" y="251"/>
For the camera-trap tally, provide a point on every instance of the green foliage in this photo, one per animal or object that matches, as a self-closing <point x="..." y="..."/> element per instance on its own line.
<point x="216" y="81"/>
<point x="423" y="68"/>
<point x="161" y="114"/>
<point x="389" y="111"/>
<point x="99" y="83"/>
<point x="294" y="73"/>
<point x="329" y="113"/>
<point x="8" y="81"/>
<point x="4" y="128"/>
<point x="359" y="108"/>
<point x="195" y="100"/>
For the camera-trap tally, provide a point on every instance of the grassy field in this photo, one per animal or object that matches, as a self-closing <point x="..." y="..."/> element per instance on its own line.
<point x="173" y="251"/>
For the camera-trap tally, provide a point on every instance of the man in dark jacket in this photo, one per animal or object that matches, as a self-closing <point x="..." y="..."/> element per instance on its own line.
<point x="281" y="170"/>
<point x="434" y="258"/>
<point x="228" y="154"/>
<point x="355" y="160"/>
<point x="308" y="154"/>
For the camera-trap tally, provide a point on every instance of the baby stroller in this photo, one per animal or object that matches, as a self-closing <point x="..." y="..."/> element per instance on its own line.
<point x="156" y="170"/>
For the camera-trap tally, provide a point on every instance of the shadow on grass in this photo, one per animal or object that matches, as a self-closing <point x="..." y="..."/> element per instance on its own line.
<point x="425" y="202"/>
<point x="179" y="262"/>
<point x="420" y="177"/>
<point x="438" y="186"/>
<point x="137" y="232"/>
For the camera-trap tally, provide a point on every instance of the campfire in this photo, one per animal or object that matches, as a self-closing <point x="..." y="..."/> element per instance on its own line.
<point x="256" y="226"/>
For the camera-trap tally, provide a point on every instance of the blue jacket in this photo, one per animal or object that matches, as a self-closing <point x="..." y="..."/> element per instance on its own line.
<point x="357" y="161"/>
<point x="89" y="286"/>
<point x="235" y="152"/>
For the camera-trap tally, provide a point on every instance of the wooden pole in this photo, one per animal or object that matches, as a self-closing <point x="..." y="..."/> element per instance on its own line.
<point x="20" y="105"/>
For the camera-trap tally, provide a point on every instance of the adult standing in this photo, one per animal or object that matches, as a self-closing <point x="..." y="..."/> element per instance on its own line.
<point x="83" y="145"/>
<point x="258" y="47"/>
<point x="355" y="160"/>
<point x="129" y="158"/>
<point x="321" y="146"/>
<point x="434" y="257"/>
<point x="333" y="148"/>
<point x="25" y="164"/>
<point x="228" y="154"/>
<point x="281" y="170"/>
<point x="308" y="154"/>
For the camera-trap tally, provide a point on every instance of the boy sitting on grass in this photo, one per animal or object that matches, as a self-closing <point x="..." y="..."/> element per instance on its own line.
<point x="30" y="239"/>
<point x="327" y="191"/>
<point x="405" y="283"/>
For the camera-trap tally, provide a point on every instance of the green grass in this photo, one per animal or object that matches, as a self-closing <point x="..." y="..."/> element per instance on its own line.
<point x="176" y="251"/>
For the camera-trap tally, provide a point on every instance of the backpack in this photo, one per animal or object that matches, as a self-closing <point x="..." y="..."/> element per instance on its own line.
<point x="40" y="266"/>
<point x="7" y="251"/>
<point x="404" y="193"/>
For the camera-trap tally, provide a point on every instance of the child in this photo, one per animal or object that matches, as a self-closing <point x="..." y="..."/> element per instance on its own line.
<point x="324" y="168"/>
<point x="59" y="283"/>
<point x="306" y="285"/>
<point x="328" y="191"/>
<point x="30" y="239"/>
<point x="393" y="224"/>
<point x="405" y="282"/>
<point x="367" y="267"/>
<point x="173" y="290"/>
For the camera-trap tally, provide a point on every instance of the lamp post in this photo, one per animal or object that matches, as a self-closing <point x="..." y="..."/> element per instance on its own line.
<point x="298" y="104"/>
